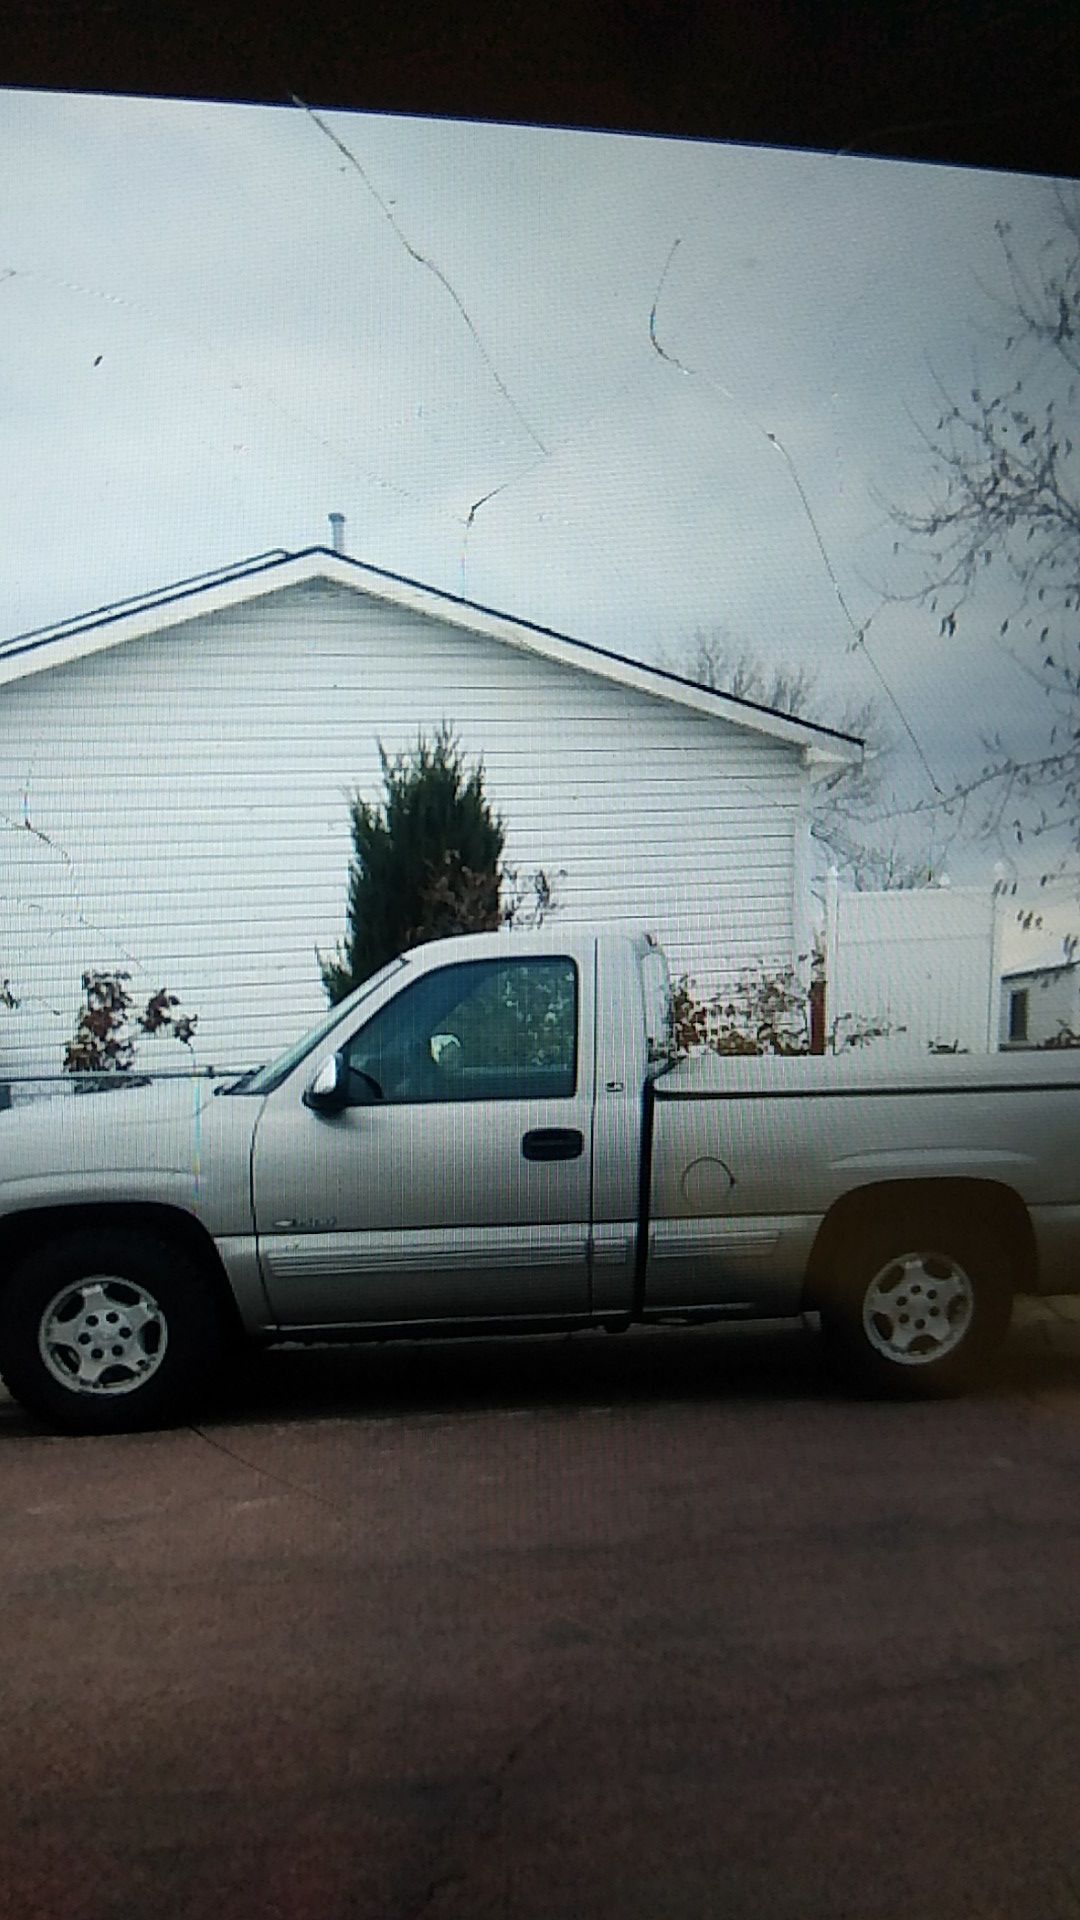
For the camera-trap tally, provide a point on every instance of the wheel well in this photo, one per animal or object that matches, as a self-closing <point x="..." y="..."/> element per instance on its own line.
<point x="20" y="1233"/>
<point x="970" y="1206"/>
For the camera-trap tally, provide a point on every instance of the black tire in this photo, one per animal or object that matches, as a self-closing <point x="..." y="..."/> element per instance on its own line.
<point x="891" y="1286"/>
<point x="165" y="1321"/>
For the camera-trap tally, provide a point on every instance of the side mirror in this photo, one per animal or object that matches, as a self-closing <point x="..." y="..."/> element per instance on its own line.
<point x="364" y="1089"/>
<point x="329" y="1091"/>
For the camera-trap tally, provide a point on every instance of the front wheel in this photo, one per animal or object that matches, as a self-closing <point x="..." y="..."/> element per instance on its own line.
<point x="108" y="1330"/>
<point x="917" y="1309"/>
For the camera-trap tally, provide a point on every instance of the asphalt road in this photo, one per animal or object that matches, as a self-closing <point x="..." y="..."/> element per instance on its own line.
<point x="648" y="1628"/>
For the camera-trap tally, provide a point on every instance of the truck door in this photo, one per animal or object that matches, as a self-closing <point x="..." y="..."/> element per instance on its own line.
<point x="456" y="1183"/>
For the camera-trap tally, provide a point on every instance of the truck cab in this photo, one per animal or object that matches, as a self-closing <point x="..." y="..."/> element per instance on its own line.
<point x="465" y="1142"/>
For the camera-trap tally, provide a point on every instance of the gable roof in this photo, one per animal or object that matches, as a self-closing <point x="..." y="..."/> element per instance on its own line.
<point x="109" y="626"/>
<point x="1048" y="963"/>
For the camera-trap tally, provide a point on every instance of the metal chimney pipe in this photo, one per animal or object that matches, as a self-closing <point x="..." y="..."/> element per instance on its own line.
<point x="337" y="532"/>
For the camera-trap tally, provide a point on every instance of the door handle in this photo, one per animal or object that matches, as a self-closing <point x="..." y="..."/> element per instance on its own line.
<point x="553" y="1143"/>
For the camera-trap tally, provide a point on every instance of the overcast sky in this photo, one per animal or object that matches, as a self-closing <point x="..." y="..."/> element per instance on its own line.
<point x="213" y="335"/>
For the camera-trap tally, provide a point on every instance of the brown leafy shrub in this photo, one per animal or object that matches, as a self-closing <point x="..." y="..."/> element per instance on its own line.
<point x="766" y="1013"/>
<point x="103" y="1041"/>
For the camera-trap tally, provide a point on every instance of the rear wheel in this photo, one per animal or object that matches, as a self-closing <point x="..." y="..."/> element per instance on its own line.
<point x="918" y="1307"/>
<point x="106" y="1330"/>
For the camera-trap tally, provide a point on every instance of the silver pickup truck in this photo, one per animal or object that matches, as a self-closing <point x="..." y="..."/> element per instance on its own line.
<point x="494" y="1135"/>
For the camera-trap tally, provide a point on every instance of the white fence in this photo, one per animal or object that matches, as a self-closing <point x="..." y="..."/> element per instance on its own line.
<point x="925" y="963"/>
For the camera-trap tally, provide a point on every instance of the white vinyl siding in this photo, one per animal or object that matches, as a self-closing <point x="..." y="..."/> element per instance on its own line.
<point x="1052" y="1006"/>
<point x="192" y="789"/>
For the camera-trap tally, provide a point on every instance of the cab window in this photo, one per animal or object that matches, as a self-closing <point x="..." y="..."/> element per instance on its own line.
<point x="478" y="1030"/>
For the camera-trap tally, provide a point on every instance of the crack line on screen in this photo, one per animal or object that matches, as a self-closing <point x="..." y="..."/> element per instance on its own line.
<point x="859" y="632"/>
<point x="267" y="1473"/>
<point x="77" y="911"/>
<point x="534" y="467"/>
<point x="423" y="260"/>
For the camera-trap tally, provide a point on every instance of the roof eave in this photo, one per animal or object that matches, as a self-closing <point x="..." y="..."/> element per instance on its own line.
<point x="822" y="748"/>
<point x="1045" y="966"/>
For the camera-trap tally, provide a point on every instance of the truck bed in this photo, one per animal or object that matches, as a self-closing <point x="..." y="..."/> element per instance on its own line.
<point x="866" y="1070"/>
<point x="749" y="1154"/>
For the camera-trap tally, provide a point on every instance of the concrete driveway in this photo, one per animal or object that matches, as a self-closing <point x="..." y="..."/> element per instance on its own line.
<point x="641" y="1628"/>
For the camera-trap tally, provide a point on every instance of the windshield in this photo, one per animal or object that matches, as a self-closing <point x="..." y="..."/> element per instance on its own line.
<point x="265" y="1079"/>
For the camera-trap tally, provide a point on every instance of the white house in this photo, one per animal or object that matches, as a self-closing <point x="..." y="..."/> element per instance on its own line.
<point x="175" y="772"/>
<point x="1039" y="1002"/>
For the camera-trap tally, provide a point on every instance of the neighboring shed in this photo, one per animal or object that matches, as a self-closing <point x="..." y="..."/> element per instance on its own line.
<point x="174" y="775"/>
<point x="1040" y="1002"/>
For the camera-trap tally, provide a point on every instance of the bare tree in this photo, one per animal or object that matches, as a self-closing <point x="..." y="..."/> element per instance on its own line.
<point x="843" y="798"/>
<point x="1004" y="512"/>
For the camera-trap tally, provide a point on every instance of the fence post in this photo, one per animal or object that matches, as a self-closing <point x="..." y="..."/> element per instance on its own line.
<point x="832" y="938"/>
